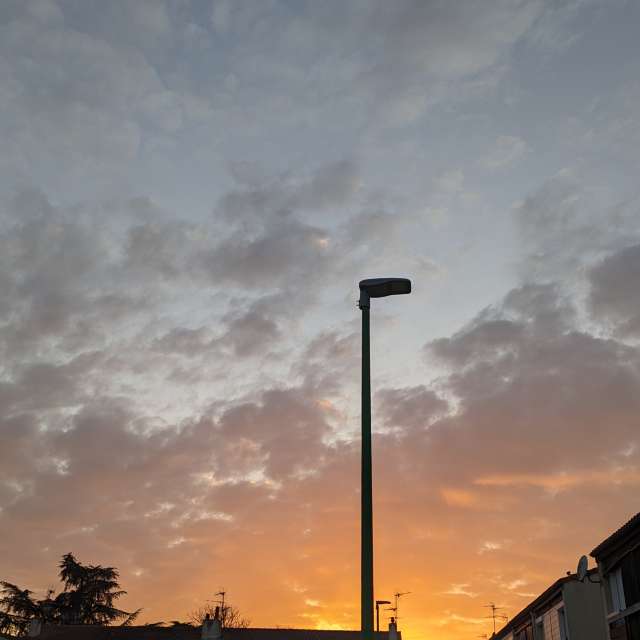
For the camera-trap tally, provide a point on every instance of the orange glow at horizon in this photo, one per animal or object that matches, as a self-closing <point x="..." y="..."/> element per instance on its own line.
<point x="285" y="564"/>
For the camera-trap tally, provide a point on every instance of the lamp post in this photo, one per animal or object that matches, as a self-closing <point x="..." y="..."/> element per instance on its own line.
<point x="378" y="603"/>
<point x="371" y="288"/>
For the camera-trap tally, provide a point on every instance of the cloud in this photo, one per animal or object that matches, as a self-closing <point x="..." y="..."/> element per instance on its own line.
<point x="506" y="151"/>
<point x="411" y="408"/>
<point x="220" y="15"/>
<point x="265" y="262"/>
<point x="160" y="249"/>
<point x="565" y="225"/>
<point x="271" y="478"/>
<point x="615" y="290"/>
<point x="399" y="59"/>
<point x="252" y="331"/>
<point x="460" y="590"/>
<point x="488" y="337"/>
<point x="188" y="342"/>
<point x="450" y="181"/>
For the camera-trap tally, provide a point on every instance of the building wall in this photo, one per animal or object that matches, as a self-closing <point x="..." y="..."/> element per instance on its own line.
<point x="584" y="610"/>
<point x="551" y="624"/>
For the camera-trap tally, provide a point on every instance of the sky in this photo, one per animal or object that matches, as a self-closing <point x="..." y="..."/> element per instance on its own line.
<point x="190" y="191"/>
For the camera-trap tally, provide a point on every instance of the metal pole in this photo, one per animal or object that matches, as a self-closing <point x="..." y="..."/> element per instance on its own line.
<point x="366" y="548"/>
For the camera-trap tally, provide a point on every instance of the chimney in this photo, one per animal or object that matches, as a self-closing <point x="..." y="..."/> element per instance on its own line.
<point x="211" y="628"/>
<point x="393" y="629"/>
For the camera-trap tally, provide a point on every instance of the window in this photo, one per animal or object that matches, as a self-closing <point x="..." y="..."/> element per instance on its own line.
<point x="617" y="591"/>
<point x="525" y="634"/>
<point x="562" y="622"/>
<point x="551" y="623"/>
<point x="630" y="567"/>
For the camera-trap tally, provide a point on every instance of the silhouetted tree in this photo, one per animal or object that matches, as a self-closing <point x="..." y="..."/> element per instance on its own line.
<point x="230" y="616"/>
<point x="17" y="609"/>
<point x="88" y="596"/>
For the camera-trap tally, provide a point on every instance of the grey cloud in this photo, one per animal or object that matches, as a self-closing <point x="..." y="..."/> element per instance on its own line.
<point x="284" y="433"/>
<point x="87" y="124"/>
<point x="486" y="337"/>
<point x="248" y="329"/>
<point x="506" y="151"/>
<point x="88" y="277"/>
<point x="147" y="24"/>
<point x="439" y="46"/>
<point x="46" y="386"/>
<point x="61" y="275"/>
<point x="483" y="33"/>
<point x="554" y="384"/>
<point x="556" y="28"/>
<point x="399" y="59"/>
<point x="102" y="468"/>
<point x="250" y="332"/>
<point x="331" y="186"/>
<point x="266" y="242"/>
<point x="544" y="307"/>
<point x="373" y="228"/>
<point x="328" y="360"/>
<point x="410" y="408"/>
<point x="188" y="342"/>
<point x="160" y="249"/>
<point x="615" y="290"/>
<point x="564" y="226"/>
<point x="261" y="199"/>
<point x="532" y="310"/>
<point x="269" y="243"/>
<point x="284" y="252"/>
<point x="550" y="221"/>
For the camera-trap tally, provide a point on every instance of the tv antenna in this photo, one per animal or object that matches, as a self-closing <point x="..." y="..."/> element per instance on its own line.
<point x="397" y="597"/>
<point x="495" y="615"/>
<point x="222" y="593"/>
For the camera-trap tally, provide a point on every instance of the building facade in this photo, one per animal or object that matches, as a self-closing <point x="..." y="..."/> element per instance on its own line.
<point x="618" y="559"/>
<point x="569" y="609"/>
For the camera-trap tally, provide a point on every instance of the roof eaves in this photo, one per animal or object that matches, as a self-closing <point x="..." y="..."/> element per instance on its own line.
<point x="617" y="536"/>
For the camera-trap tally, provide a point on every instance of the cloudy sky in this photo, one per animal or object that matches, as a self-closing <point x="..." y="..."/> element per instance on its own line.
<point x="190" y="191"/>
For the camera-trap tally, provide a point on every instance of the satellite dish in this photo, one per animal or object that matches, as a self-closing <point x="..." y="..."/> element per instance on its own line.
<point x="583" y="567"/>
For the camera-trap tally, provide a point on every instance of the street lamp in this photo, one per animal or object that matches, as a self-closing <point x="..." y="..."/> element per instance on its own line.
<point x="378" y="603"/>
<point x="372" y="288"/>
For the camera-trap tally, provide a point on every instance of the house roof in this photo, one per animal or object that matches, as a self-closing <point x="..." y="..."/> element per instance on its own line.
<point x="298" y="634"/>
<point x="96" y="632"/>
<point x="545" y="596"/>
<point x="189" y="632"/>
<point x="631" y="526"/>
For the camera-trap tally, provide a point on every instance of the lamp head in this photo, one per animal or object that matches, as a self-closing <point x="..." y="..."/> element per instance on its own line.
<point x="382" y="287"/>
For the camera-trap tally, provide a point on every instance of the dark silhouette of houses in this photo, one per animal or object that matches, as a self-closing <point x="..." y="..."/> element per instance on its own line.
<point x="618" y="559"/>
<point x="190" y="632"/>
